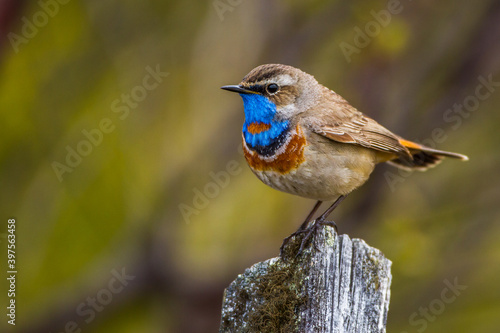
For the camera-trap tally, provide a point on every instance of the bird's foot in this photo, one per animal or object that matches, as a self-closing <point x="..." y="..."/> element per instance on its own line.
<point x="287" y="239"/>
<point x="309" y="232"/>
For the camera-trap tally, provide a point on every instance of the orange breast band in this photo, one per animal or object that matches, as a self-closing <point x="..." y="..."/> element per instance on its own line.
<point x="286" y="159"/>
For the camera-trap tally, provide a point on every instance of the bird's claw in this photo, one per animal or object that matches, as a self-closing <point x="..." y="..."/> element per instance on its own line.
<point x="309" y="232"/>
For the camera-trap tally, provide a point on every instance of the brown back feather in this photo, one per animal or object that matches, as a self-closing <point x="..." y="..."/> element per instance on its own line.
<point x="341" y="122"/>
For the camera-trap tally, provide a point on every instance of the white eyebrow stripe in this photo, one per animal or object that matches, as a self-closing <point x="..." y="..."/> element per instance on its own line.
<point x="285" y="80"/>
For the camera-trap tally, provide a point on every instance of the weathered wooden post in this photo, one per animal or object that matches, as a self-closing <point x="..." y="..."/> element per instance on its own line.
<point x="335" y="285"/>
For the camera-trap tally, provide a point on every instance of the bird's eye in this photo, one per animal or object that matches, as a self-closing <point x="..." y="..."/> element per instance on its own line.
<point x="272" y="88"/>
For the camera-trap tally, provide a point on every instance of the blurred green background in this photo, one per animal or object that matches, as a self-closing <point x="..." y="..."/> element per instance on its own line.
<point x="76" y="78"/>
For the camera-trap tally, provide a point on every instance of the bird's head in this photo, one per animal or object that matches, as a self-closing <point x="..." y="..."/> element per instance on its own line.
<point x="272" y="96"/>
<point x="276" y="92"/>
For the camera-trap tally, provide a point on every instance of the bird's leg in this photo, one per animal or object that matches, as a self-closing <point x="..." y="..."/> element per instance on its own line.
<point x="304" y="224"/>
<point x="302" y="228"/>
<point x="322" y="218"/>
<point x="320" y="221"/>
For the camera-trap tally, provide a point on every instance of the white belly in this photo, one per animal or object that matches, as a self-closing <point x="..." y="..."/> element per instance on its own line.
<point x="330" y="169"/>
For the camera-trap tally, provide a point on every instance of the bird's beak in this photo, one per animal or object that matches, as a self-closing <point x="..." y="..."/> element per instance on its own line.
<point x="238" y="89"/>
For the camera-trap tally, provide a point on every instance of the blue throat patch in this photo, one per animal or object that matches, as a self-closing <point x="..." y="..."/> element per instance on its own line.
<point x="259" y="109"/>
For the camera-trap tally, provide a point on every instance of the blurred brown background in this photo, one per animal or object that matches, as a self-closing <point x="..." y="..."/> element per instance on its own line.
<point x="114" y="130"/>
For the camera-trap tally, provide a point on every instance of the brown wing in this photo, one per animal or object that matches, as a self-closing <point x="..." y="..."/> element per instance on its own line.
<point x="351" y="126"/>
<point x="339" y="121"/>
<point x="367" y="133"/>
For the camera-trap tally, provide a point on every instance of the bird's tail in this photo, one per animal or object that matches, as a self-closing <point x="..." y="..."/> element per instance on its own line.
<point x="422" y="157"/>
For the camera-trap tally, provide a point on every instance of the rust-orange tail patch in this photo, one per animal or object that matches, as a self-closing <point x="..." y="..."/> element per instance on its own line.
<point x="410" y="144"/>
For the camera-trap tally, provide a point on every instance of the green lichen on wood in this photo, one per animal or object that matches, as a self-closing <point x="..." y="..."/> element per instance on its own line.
<point x="281" y="292"/>
<point x="332" y="280"/>
<point x="277" y="295"/>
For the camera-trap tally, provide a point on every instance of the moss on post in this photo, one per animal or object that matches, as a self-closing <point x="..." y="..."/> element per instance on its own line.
<point x="336" y="283"/>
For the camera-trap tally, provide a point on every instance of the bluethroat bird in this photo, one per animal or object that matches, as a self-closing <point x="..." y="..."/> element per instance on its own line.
<point x="302" y="138"/>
